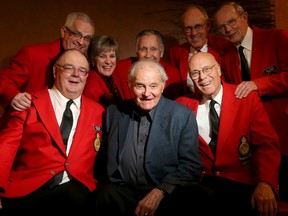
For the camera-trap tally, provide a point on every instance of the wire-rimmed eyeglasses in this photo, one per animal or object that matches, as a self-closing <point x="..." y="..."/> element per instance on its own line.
<point x="230" y="23"/>
<point x="197" y="27"/>
<point x="78" y="35"/>
<point x="67" y="68"/>
<point x="194" y="74"/>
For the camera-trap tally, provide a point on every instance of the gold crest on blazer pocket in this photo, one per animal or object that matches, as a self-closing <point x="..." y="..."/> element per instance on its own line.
<point x="244" y="150"/>
<point x="97" y="141"/>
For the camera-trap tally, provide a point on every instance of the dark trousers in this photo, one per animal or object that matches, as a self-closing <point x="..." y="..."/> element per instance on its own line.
<point x="122" y="200"/>
<point x="283" y="178"/>
<point x="70" y="197"/>
<point x="230" y="197"/>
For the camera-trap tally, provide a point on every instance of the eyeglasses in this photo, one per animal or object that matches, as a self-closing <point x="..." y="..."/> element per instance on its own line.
<point x="67" y="68"/>
<point x="197" y="27"/>
<point x="196" y="73"/>
<point x="230" y="23"/>
<point x="78" y="35"/>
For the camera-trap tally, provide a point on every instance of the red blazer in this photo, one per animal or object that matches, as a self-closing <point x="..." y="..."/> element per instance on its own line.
<point x="29" y="71"/>
<point x="32" y="150"/>
<point x="269" y="71"/>
<point x="97" y="90"/>
<point x="179" y="55"/>
<point x="172" y="88"/>
<point x="238" y="118"/>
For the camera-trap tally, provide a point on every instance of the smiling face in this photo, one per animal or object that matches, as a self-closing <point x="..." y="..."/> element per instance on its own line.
<point x="103" y="53"/>
<point x="71" y="72"/>
<point x="198" y="35"/>
<point x="231" y="23"/>
<point x="209" y="83"/>
<point x="78" y="36"/>
<point x="149" y="47"/>
<point x="147" y="84"/>
<point x="105" y="62"/>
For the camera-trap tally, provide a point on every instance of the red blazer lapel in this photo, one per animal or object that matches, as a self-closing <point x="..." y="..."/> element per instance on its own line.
<point x="227" y="115"/>
<point x="47" y="116"/>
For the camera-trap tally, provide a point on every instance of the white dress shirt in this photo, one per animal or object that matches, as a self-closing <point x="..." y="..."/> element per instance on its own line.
<point x="203" y="116"/>
<point x="59" y="104"/>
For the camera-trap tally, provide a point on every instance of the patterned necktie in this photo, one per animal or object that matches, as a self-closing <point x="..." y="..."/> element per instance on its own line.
<point x="113" y="89"/>
<point x="244" y="65"/>
<point x="67" y="122"/>
<point x="214" y="119"/>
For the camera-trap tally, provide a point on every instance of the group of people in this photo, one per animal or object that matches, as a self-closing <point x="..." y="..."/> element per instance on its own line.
<point x="192" y="135"/>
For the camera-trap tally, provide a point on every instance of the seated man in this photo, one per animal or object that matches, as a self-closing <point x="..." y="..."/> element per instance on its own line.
<point x="241" y="156"/>
<point x="153" y="157"/>
<point x="44" y="166"/>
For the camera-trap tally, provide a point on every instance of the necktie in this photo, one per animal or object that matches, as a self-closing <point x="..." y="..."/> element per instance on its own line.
<point x="65" y="128"/>
<point x="67" y="122"/>
<point x="214" y="119"/>
<point x="113" y="89"/>
<point x="244" y="65"/>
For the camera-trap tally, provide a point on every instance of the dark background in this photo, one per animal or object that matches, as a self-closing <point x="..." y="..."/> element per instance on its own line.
<point x="24" y="22"/>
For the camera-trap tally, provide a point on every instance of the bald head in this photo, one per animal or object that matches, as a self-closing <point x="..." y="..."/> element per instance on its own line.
<point x="205" y="73"/>
<point x="196" y="26"/>
<point x="201" y="59"/>
<point x="193" y="11"/>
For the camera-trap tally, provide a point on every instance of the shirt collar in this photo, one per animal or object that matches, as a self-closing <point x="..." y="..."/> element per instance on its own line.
<point x="218" y="97"/>
<point x="138" y="114"/>
<point x="63" y="100"/>
<point x="247" y="41"/>
<point x="204" y="48"/>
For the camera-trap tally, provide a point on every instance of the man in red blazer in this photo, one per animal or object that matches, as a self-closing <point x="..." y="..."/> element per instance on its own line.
<point x="243" y="172"/>
<point x="267" y="57"/>
<point x="149" y="45"/>
<point x="32" y="152"/>
<point x="30" y="69"/>
<point x="196" y="27"/>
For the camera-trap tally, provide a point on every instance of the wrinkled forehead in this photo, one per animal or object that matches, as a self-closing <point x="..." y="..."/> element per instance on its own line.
<point x="147" y="73"/>
<point x="148" y="41"/>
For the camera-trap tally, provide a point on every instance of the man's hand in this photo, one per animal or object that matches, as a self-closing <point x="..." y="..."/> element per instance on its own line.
<point x="244" y="88"/>
<point x="149" y="204"/>
<point x="21" y="101"/>
<point x="263" y="198"/>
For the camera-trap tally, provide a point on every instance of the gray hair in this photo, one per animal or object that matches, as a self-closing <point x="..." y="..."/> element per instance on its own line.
<point x="70" y="19"/>
<point x="147" y="63"/>
<point x="238" y="8"/>
<point x="150" y="32"/>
